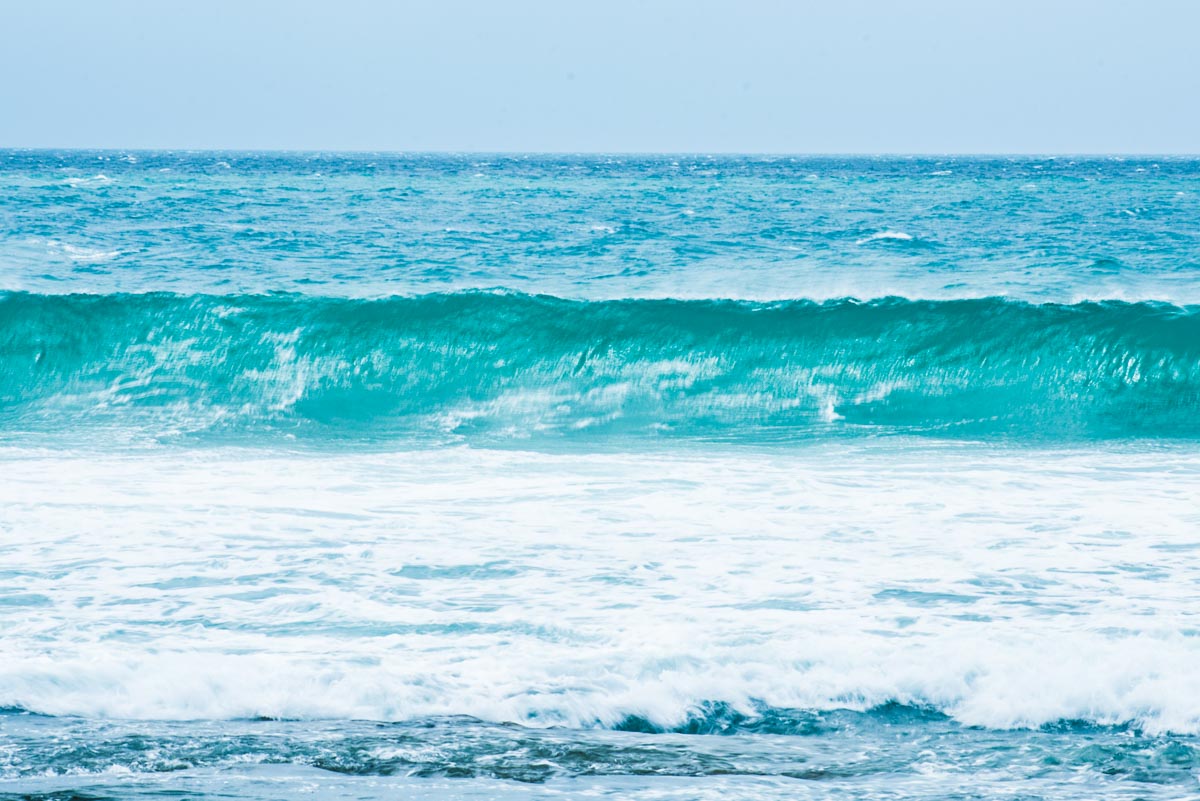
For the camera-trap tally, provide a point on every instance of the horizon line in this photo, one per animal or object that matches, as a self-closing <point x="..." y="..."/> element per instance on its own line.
<point x="608" y="153"/>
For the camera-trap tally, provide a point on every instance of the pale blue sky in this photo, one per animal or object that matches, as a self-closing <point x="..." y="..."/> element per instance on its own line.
<point x="532" y="75"/>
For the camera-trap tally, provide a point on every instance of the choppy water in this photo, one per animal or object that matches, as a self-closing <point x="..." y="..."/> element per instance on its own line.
<point x="446" y="477"/>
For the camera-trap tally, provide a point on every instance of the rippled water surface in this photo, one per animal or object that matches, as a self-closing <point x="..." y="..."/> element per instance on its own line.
<point x="1058" y="229"/>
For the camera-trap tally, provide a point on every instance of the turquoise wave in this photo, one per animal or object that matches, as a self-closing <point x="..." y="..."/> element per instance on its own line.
<point x="496" y="367"/>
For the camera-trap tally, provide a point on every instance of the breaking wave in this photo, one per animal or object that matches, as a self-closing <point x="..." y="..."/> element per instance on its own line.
<point x="502" y="366"/>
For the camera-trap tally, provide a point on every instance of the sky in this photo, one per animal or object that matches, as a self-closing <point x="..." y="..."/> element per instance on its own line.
<point x="925" y="76"/>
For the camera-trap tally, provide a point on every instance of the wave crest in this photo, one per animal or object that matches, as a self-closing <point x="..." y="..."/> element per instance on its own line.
<point x="509" y="366"/>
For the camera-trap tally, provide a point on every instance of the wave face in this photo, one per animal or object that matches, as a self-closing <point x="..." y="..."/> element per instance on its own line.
<point x="508" y="367"/>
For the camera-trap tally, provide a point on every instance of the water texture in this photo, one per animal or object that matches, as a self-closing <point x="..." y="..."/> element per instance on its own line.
<point x="392" y="476"/>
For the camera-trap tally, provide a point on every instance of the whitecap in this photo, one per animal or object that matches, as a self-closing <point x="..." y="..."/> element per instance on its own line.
<point x="98" y="179"/>
<point x="82" y="254"/>
<point x="896" y="235"/>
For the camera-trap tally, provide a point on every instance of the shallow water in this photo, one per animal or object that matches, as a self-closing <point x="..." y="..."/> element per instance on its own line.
<point x="475" y="543"/>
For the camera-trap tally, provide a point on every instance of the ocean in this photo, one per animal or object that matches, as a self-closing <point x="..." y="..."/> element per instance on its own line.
<point x="386" y="476"/>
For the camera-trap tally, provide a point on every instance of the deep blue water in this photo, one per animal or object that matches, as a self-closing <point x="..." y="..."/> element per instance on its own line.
<point x="391" y="476"/>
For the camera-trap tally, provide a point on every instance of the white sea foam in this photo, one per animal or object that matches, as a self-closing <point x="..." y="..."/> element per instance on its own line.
<point x="883" y="235"/>
<point x="82" y="254"/>
<point x="99" y="179"/>
<point x="1008" y="588"/>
